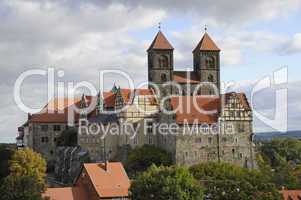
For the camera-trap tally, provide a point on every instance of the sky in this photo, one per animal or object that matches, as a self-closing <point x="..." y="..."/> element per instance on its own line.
<point x="82" y="37"/>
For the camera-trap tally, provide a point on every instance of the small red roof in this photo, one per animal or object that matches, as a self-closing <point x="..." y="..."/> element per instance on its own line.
<point x="160" y="42"/>
<point x="188" y="112"/>
<point x="206" y="44"/>
<point x="291" y="194"/>
<point x="108" y="182"/>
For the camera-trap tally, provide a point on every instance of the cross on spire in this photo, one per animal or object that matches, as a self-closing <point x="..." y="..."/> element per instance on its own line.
<point x="159" y="26"/>
<point x="206" y="28"/>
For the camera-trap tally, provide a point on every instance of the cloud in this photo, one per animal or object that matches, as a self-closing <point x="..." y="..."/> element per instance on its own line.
<point x="293" y="45"/>
<point x="82" y="37"/>
<point x="233" y="43"/>
<point x="223" y="12"/>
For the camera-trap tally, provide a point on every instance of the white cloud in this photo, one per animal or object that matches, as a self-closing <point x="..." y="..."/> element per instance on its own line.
<point x="85" y="36"/>
<point x="293" y="45"/>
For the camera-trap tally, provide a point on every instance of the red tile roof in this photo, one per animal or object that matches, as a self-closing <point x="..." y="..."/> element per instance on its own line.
<point x="49" y="118"/>
<point x="129" y="94"/>
<point x="67" y="193"/>
<point x="186" y="77"/>
<point x="110" y="182"/>
<point x="160" y="42"/>
<point x="57" y="104"/>
<point x="56" y="111"/>
<point x="187" y="112"/>
<point x="206" y="44"/>
<point x="109" y="99"/>
<point x="291" y="194"/>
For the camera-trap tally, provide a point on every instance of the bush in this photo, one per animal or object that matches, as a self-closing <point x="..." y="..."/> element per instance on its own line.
<point x="225" y="181"/>
<point x="140" y="159"/>
<point x="161" y="183"/>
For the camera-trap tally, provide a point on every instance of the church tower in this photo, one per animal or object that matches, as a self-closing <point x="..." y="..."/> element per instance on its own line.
<point x="160" y="62"/>
<point x="206" y="63"/>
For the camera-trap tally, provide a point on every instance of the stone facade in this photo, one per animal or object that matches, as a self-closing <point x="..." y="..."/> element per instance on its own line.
<point x="42" y="138"/>
<point x="141" y="108"/>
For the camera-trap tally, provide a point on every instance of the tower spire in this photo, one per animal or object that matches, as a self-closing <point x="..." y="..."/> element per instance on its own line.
<point x="160" y="42"/>
<point x="206" y="43"/>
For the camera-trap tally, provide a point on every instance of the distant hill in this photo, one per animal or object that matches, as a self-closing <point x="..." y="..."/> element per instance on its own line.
<point x="265" y="136"/>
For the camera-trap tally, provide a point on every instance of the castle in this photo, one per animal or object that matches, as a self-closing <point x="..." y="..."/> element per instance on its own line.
<point x="190" y="143"/>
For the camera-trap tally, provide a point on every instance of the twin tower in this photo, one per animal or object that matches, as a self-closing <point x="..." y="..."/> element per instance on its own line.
<point x="206" y="67"/>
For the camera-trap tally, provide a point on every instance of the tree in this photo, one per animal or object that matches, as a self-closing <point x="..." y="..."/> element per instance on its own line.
<point x="163" y="183"/>
<point x="281" y="159"/>
<point x="67" y="138"/>
<point x="139" y="159"/>
<point x="26" y="180"/>
<point x="223" y="181"/>
<point x="20" y="188"/>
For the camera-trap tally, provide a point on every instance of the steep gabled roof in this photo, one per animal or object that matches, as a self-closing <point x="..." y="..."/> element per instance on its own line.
<point x="206" y="44"/>
<point x="160" y="42"/>
<point x="108" y="181"/>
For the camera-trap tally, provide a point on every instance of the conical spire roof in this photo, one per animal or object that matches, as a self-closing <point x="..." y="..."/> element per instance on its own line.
<point x="206" y="44"/>
<point x="160" y="42"/>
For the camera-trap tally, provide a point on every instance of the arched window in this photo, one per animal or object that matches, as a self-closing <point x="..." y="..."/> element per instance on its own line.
<point x="210" y="78"/>
<point x="163" y="77"/>
<point x="163" y="61"/>
<point x="210" y="62"/>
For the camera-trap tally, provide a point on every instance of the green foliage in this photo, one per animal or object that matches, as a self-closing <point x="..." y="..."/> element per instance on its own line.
<point x="161" y="183"/>
<point x="6" y="152"/>
<point x="281" y="160"/>
<point x="67" y="138"/>
<point x="140" y="159"/>
<point x="229" y="182"/>
<point x="26" y="180"/>
<point x="20" y="188"/>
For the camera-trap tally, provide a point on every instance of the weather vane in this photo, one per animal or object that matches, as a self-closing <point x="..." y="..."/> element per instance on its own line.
<point x="206" y="28"/>
<point x="159" y="26"/>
